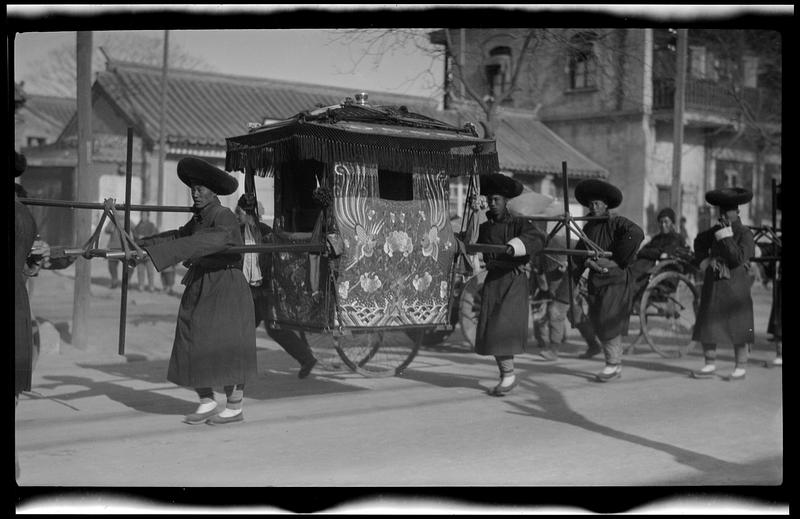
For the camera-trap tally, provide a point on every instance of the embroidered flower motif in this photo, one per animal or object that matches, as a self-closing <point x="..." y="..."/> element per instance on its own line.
<point x="344" y="289"/>
<point x="391" y="217"/>
<point x="421" y="283"/>
<point x="430" y="243"/>
<point x="369" y="284"/>
<point x="366" y="241"/>
<point x="443" y="289"/>
<point x="422" y="215"/>
<point x="398" y="241"/>
<point x="402" y="217"/>
<point x="371" y="214"/>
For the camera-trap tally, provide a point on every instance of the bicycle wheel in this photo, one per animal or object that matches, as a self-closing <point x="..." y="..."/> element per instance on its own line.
<point x="469" y="305"/>
<point x="379" y="354"/>
<point x="668" y="312"/>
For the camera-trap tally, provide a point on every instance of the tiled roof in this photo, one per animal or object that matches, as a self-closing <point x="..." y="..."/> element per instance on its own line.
<point x="56" y="110"/>
<point x="203" y="109"/>
<point x="527" y="145"/>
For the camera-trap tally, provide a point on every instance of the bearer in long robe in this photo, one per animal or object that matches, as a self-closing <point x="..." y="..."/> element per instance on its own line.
<point x="215" y="338"/>
<point x="503" y="320"/>
<point x="612" y="281"/>
<point x="726" y="306"/>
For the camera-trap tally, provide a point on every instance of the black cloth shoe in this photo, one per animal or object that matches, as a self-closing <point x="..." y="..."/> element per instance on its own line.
<point x="548" y="355"/>
<point x="305" y="369"/>
<point x="198" y="418"/>
<point x="219" y="420"/>
<point x="500" y="390"/>
<point x="704" y="374"/>
<point x="603" y="377"/>
<point x="591" y="352"/>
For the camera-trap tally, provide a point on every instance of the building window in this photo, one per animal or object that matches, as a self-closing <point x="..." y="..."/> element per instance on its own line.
<point x="697" y="62"/>
<point x="582" y="66"/>
<point x="498" y="71"/>
<point x="750" y="71"/>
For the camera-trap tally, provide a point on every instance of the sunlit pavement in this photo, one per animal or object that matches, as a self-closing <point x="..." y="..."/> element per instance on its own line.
<point x="95" y="418"/>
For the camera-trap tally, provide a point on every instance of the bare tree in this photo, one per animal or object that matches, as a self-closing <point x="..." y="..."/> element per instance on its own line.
<point x="55" y="73"/>
<point x="468" y="85"/>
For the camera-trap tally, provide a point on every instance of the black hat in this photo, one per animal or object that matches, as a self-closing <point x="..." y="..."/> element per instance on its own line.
<point x="248" y="202"/>
<point x="497" y="184"/>
<point x="596" y="189"/>
<point x="191" y="169"/>
<point x="20" y="163"/>
<point x="729" y="197"/>
<point x="668" y="212"/>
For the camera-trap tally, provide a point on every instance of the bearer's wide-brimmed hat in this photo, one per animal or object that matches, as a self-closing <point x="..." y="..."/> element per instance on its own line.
<point x="497" y="184"/>
<point x="20" y="163"/>
<point x="194" y="170"/>
<point x="729" y="196"/>
<point x="596" y="189"/>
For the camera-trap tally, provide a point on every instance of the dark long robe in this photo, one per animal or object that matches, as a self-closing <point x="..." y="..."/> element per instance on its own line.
<point x="503" y="319"/>
<point x="725" y="314"/>
<point x="24" y="236"/>
<point x="611" y="294"/>
<point x="215" y="341"/>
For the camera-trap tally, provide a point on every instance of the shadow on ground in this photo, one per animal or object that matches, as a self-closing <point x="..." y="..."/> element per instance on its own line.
<point x="277" y="378"/>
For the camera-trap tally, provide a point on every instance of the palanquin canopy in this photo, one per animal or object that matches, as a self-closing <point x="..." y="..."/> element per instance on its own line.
<point x="390" y="137"/>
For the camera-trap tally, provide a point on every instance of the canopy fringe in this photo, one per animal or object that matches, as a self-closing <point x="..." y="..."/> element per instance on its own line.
<point x="264" y="159"/>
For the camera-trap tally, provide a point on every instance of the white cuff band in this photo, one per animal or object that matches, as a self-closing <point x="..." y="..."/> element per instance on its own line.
<point x="519" y="247"/>
<point x="725" y="232"/>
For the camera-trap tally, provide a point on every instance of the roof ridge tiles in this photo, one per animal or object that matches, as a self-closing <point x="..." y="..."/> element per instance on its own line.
<point x="124" y="66"/>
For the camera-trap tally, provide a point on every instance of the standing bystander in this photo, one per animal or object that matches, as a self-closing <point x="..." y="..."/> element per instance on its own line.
<point x="144" y="266"/>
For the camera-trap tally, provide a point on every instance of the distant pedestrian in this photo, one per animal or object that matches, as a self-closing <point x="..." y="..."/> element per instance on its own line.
<point x="215" y="342"/>
<point x="115" y="242"/>
<point x="257" y="269"/>
<point x="612" y="281"/>
<point x="725" y="313"/>
<point x="502" y="329"/>
<point x="144" y="267"/>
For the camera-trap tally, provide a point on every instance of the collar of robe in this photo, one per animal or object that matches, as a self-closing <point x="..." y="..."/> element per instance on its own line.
<point x="505" y="216"/>
<point x="199" y="214"/>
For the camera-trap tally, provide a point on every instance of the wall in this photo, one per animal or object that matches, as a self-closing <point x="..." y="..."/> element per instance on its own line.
<point x="693" y="173"/>
<point x="619" y="146"/>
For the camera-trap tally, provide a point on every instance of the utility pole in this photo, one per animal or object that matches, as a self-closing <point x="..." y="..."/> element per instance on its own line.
<point x="162" y="135"/>
<point x="677" y="141"/>
<point x="83" y="190"/>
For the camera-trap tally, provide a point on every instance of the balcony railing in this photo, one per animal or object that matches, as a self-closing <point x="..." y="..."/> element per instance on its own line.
<point x="707" y="96"/>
